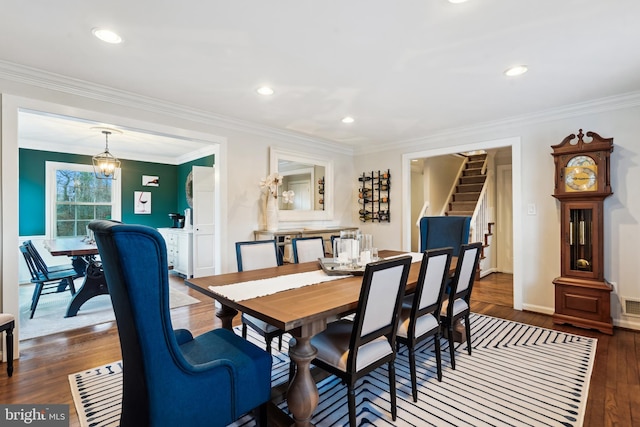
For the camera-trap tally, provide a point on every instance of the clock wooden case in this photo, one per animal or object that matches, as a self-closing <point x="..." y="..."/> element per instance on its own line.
<point x="582" y="182"/>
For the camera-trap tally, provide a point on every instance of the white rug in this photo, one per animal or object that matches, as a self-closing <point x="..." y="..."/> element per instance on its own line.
<point x="518" y="375"/>
<point x="49" y="316"/>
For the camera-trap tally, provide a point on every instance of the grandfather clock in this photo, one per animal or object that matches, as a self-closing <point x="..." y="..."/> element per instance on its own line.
<point x="582" y="182"/>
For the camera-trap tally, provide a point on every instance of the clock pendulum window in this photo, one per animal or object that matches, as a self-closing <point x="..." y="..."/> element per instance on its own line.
<point x="582" y="182"/>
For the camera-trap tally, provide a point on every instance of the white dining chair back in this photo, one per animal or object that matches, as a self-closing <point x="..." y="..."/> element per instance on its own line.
<point x="307" y="249"/>
<point x="254" y="255"/>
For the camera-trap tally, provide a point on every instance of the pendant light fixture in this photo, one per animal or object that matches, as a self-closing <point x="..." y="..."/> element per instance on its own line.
<point x="105" y="164"/>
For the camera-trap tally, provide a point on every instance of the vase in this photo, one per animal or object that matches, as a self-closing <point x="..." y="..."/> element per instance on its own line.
<point x="271" y="213"/>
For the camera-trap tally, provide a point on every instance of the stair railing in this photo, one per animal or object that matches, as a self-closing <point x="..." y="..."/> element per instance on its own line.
<point x="481" y="214"/>
<point x="423" y="211"/>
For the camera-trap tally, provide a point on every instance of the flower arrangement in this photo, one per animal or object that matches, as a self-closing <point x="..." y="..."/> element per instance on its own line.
<point x="271" y="183"/>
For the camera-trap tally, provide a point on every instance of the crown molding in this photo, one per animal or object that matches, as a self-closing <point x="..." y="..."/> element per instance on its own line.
<point x="596" y="106"/>
<point x="57" y="82"/>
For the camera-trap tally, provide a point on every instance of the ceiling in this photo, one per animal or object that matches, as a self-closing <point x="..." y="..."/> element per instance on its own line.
<point x="403" y="69"/>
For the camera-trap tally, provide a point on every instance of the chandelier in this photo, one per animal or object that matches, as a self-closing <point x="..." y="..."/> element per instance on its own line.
<point x="105" y="164"/>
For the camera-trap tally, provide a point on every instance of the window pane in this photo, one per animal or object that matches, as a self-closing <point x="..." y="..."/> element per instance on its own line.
<point x="65" y="229"/>
<point x="85" y="212"/>
<point x="103" y="212"/>
<point x="65" y="212"/>
<point x="82" y="228"/>
<point x="102" y="190"/>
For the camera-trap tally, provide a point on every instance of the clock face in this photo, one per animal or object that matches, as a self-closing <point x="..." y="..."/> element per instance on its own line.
<point x="581" y="178"/>
<point x="581" y="161"/>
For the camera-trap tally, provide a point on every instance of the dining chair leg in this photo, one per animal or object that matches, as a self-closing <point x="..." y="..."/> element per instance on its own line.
<point x="392" y="388"/>
<point x="268" y="341"/>
<point x="467" y="327"/>
<point x="280" y="343"/>
<point x="9" y="346"/>
<point x="244" y="331"/>
<point x="72" y="286"/>
<point x="412" y="370"/>
<point x="452" y="349"/>
<point x="351" y="401"/>
<point x="261" y="416"/>
<point x="436" y="344"/>
<point x="35" y="299"/>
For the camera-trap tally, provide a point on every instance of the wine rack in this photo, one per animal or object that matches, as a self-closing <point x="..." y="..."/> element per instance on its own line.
<point x="373" y="196"/>
<point x="321" y="192"/>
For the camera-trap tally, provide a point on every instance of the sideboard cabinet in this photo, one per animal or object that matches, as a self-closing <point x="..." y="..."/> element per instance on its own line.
<point x="179" y="250"/>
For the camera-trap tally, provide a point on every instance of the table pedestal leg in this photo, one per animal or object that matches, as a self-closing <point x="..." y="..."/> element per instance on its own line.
<point x="94" y="284"/>
<point x="226" y="315"/>
<point x="302" y="396"/>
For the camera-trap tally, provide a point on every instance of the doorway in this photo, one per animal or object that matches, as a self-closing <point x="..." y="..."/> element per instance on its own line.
<point x="514" y="144"/>
<point x="12" y="106"/>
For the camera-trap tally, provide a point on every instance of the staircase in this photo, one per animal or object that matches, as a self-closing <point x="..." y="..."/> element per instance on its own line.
<point x="465" y="198"/>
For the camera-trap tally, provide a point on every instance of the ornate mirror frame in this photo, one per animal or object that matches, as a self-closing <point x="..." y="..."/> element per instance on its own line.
<point x="277" y="154"/>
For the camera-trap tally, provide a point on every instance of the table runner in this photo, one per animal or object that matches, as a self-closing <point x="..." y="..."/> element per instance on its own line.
<point x="262" y="287"/>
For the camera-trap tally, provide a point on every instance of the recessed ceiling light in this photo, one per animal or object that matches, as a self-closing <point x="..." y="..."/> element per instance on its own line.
<point x="265" y="90"/>
<point x="348" y="119"/>
<point x="457" y="1"/>
<point x="107" y="36"/>
<point x="517" y="70"/>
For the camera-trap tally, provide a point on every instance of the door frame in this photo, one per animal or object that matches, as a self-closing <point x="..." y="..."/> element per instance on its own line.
<point x="516" y="162"/>
<point x="9" y="153"/>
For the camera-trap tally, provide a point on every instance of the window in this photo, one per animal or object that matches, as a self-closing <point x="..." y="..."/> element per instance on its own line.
<point x="75" y="197"/>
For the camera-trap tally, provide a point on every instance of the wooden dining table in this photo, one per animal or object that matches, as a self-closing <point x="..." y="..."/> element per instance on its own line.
<point x="303" y="312"/>
<point x="83" y="254"/>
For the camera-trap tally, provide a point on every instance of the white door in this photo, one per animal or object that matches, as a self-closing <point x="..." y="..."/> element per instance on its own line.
<point x="203" y="221"/>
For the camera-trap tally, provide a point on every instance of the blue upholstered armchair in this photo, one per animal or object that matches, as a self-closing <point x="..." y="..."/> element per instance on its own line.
<point x="170" y="377"/>
<point x="444" y="231"/>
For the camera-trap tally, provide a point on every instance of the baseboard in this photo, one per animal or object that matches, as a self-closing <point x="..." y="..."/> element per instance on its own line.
<point x="538" y="309"/>
<point x="627" y="324"/>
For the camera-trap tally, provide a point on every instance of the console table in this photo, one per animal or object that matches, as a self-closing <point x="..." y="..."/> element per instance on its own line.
<point x="283" y="237"/>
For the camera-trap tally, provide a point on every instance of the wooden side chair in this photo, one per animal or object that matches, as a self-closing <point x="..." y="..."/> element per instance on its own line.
<point x="253" y="255"/>
<point x="7" y="323"/>
<point x="46" y="282"/>
<point x="42" y="264"/>
<point x="457" y="305"/>
<point x="307" y="249"/>
<point x="420" y="313"/>
<point x="352" y="349"/>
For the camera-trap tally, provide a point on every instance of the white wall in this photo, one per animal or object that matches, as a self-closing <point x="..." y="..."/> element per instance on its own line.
<point x="440" y="173"/>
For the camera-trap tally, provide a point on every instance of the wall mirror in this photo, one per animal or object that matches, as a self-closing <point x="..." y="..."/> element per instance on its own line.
<point x="310" y="178"/>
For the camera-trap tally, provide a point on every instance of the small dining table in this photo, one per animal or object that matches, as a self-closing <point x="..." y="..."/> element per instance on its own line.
<point x="83" y="254"/>
<point x="302" y="311"/>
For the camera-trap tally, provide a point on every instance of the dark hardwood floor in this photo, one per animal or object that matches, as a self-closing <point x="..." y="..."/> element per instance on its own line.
<point x="40" y="375"/>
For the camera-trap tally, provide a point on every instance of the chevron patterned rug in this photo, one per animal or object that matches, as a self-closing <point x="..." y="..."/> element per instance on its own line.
<point x="517" y="375"/>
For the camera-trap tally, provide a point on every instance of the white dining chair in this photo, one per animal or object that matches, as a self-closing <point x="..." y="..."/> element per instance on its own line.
<point x="306" y="249"/>
<point x="254" y="255"/>
<point x="353" y="349"/>
<point x="420" y="313"/>
<point x="457" y="305"/>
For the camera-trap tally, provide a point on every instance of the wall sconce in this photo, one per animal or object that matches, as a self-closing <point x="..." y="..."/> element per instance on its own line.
<point x="105" y="164"/>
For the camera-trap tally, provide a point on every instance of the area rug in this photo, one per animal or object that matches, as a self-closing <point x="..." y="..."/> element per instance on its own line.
<point x="517" y="375"/>
<point x="49" y="316"/>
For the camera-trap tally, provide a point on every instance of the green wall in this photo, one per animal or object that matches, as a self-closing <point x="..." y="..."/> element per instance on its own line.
<point x="169" y="196"/>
